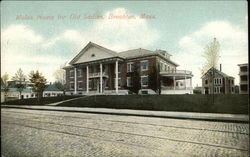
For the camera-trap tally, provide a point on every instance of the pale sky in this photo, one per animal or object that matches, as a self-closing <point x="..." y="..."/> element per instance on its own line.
<point x="32" y="42"/>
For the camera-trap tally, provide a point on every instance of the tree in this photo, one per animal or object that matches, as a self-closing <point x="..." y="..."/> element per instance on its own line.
<point x="38" y="83"/>
<point x="60" y="76"/>
<point x="135" y="79"/>
<point x="153" y="79"/>
<point x="20" y="80"/>
<point x="5" y="85"/>
<point x="211" y="54"/>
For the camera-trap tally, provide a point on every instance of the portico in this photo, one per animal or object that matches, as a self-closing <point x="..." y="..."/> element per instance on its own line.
<point x="99" y="76"/>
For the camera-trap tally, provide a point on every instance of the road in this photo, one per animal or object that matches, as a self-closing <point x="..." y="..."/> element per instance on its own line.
<point x="37" y="133"/>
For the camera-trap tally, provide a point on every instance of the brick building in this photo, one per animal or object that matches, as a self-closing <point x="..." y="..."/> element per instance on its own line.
<point x="217" y="83"/>
<point x="243" y="78"/>
<point x="98" y="70"/>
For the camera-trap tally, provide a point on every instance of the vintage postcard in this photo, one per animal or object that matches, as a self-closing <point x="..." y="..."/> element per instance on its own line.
<point x="123" y="78"/>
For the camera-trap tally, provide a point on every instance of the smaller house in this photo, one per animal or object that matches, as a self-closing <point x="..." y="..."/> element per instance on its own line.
<point x="14" y="94"/>
<point x="52" y="91"/>
<point x="214" y="81"/>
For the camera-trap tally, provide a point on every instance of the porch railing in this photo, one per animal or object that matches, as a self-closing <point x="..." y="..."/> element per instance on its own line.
<point x="178" y="72"/>
<point x="176" y="88"/>
<point x="97" y="74"/>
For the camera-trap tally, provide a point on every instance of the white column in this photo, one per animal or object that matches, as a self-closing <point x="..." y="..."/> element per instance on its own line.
<point x="87" y="79"/>
<point x="185" y="83"/>
<point x="75" y="81"/>
<point x="191" y="88"/>
<point x="174" y="82"/>
<point x="116" y="77"/>
<point x="100" y="78"/>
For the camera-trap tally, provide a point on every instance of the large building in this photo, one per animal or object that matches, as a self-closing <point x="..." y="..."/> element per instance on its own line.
<point x="243" y="78"/>
<point x="216" y="82"/>
<point x="98" y="70"/>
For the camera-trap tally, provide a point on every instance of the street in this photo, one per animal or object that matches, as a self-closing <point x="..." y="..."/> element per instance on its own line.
<point x="37" y="133"/>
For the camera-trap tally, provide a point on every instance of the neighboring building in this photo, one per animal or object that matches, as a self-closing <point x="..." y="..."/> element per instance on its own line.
<point x="98" y="70"/>
<point x="2" y="94"/>
<point x="14" y="94"/>
<point x="52" y="91"/>
<point x="243" y="78"/>
<point x="219" y="83"/>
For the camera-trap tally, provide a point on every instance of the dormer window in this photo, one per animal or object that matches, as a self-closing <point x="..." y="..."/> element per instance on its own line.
<point x="93" y="55"/>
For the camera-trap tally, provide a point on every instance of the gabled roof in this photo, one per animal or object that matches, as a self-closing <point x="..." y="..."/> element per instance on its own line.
<point x="25" y="90"/>
<point x="91" y="44"/>
<point x="52" y="88"/>
<point x="216" y="71"/>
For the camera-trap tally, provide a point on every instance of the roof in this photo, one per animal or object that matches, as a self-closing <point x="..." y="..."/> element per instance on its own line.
<point x="245" y="64"/>
<point x="143" y="53"/>
<point x="52" y="88"/>
<point x="25" y="90"/>
<point x="135" y="53"/>
<point x="217" y="71"/>
<point x="111" y="52"/>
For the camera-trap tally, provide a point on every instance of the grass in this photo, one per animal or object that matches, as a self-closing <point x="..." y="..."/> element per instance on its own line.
<point x="235" y="103"/>
<point x="33" y="101"/>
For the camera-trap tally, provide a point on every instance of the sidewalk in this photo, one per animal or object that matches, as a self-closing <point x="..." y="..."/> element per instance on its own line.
<point x="163" y="114"/>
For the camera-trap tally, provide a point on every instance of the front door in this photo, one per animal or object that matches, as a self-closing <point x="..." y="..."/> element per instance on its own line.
<point x="206" y="90"/>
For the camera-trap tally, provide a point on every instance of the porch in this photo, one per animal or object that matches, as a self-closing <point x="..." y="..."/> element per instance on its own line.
<point x="176" y="82"/>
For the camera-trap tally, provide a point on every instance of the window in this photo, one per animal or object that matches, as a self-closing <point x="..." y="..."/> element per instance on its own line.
<point x="79" y="72"/>
<point x="92" y="55"/>
<point x="168" y="68"/>
<point x="144" y="81"/>
<point x="220" y="80"/>
<point x="119" y="82"/>
<point x="144" y="65"/>
<point x="215" y="89"/>
<point x="72" y="85"/>
<point x="129" y="82"/>
<point x="90" y="84"/>
<point x="71" y="73"/>
<point x="206" y="82"/>
<point x="130" y="67"/>
<point x="232" y="81"/>
<point x="119" y="68"/>
<point x="165" y="67"/>
<point x="80" y="84"/>
<point x="232" y="89"/>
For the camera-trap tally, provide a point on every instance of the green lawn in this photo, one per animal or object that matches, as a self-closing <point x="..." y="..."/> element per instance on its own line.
<point x="235" y="103"/>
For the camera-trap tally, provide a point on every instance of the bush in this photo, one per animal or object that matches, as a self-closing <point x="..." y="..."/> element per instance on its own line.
<point x="237" y="104"/>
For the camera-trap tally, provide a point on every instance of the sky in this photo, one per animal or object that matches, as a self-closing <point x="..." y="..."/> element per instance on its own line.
<point x="45" y="35"/>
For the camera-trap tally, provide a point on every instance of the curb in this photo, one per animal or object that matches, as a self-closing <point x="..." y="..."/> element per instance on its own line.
<point x="121" y="112"/>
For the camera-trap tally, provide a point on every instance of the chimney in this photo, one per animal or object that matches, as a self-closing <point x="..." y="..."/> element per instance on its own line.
<point x="220" y="67"/>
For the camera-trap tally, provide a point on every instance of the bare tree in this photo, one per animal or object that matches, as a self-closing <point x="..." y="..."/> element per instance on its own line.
<point x="60" y="76"/>
<point x="211" y="54"/>
<point x="5" y="85"/>
<point x="20" y="80"/>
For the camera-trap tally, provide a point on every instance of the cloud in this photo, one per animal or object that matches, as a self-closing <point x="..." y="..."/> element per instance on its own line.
<point x="22" y="47"/>
<point x="114" y="33"/>
<point x="17" y="33"/>
<point x="233" y="51"/>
